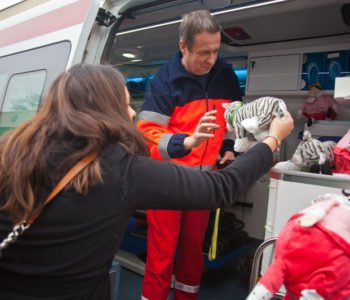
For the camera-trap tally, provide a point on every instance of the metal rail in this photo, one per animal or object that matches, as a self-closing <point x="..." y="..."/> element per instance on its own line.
<point x="256" y="266"/>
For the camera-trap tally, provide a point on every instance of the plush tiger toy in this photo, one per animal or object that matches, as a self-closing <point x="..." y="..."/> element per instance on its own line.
<point x="251" y="121"/>
<point x="309" y="152"/>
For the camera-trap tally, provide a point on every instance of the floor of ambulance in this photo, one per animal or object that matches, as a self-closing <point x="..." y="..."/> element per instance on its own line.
<point x="228" y="282"/>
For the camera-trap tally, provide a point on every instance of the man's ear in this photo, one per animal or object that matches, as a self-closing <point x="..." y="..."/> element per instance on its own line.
<point x="182" y="46"/>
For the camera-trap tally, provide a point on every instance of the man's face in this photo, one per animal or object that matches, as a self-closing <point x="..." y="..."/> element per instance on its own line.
<point x="201" y="58"/>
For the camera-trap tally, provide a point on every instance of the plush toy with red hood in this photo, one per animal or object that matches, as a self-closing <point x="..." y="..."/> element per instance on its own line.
<point x="318" y="106"/>
<point x="312" y="257"/>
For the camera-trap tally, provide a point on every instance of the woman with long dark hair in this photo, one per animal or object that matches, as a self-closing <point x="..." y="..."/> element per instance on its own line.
<point x="68" y="250"/>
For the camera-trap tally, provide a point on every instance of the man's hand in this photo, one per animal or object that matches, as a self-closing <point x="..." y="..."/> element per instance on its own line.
<point x="204" y="130"/>
<point x="225" y="160"/>
<point x="228" y="156"/>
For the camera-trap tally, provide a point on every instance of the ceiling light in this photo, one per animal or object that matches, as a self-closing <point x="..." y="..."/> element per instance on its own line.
<point x="240" y="8"/>
<point x="148" y="27"/>
<point x="248" y="7"/>
<point x="129" y="55"/>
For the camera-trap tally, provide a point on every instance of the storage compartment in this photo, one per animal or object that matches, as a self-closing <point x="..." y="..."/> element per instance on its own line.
<point x="342" y="91"/>
<point x="274" y="73"/>
<point x="328" y="128"/>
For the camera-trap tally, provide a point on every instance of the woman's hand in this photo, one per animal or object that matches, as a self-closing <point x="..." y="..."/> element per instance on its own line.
<point x="280" y="128"/>
<point x="204" y="130"/>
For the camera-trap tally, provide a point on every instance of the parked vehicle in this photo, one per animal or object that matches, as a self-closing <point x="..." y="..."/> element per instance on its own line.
<point x="277" y="48"/>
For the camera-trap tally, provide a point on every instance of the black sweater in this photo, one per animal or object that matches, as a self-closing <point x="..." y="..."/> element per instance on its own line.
<point x="68" y="251"/>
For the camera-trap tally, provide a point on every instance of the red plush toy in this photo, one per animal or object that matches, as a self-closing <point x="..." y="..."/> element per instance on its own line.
<point x="318" y="106"/>
<point x="312" y="254"/>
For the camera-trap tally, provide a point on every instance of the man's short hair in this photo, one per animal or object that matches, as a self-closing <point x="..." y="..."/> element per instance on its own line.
<point x="196" y="22"/>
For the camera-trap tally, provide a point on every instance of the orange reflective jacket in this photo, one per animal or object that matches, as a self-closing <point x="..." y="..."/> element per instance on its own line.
<point x="174" y="103"/>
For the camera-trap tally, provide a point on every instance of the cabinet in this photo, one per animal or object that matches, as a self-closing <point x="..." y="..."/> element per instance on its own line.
<point x="274" y="73"/>
<point x="254" y="217"/>
<point x="329" y="128"/>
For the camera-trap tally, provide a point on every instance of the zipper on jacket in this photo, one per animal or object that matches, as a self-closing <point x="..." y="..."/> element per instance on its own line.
<point x="207" y="141"/>
<point x="207" y="108"/>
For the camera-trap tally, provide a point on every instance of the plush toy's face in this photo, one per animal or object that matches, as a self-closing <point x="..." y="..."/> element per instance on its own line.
<point x="230" y="110"/>
<point x="314" y="92"/>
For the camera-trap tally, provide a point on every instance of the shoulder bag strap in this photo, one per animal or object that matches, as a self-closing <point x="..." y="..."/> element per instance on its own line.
<point x="24" y="225"/>
<point x="63" y="182"/>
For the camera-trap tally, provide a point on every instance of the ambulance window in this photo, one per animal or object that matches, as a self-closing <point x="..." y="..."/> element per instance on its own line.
<point x="3" y="80"/>
<point x="22" y="99"/>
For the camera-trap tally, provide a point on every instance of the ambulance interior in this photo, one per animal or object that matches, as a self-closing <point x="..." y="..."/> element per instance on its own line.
<point x="277" y="48"/>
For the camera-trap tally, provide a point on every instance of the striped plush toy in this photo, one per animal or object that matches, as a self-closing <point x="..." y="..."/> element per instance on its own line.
<point x="309" y="152"/>
<point x="251" y="121"/>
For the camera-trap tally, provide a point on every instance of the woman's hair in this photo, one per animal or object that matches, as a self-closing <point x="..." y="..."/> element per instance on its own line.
<point x="86" y="104"/>
<point x="196" y="22"/>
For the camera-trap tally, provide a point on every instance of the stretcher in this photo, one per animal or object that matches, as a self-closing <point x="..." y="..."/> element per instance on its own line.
<point x="256" y="265"/>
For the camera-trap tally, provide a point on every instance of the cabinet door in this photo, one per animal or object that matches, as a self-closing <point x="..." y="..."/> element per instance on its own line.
<point x="274" y="73"/>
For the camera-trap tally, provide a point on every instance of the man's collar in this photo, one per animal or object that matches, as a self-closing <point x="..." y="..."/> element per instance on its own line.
<point x="177" y="70"/>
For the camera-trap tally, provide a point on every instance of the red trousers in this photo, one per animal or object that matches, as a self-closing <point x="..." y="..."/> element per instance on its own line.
<point x="164" y="228"/>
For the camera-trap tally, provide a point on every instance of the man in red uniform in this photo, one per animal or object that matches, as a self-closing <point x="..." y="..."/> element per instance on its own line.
<point x="187" y="91"/>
